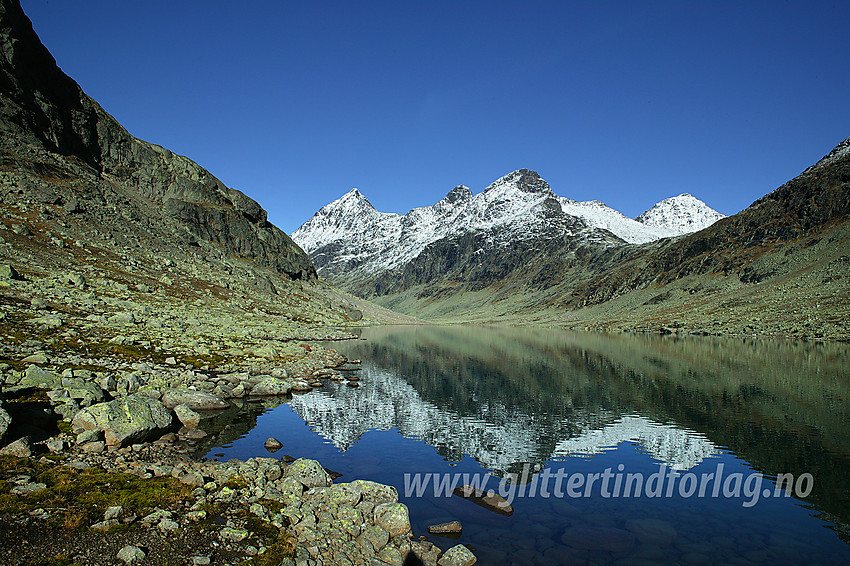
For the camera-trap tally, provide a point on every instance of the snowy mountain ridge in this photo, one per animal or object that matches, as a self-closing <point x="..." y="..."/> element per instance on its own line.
<point x="350" y="236"/>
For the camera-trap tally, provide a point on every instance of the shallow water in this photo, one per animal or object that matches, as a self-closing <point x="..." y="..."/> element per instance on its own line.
<point x="529" y="405"/>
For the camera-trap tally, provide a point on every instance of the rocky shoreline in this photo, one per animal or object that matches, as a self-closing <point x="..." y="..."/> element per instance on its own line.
<point x="109" y="388"/>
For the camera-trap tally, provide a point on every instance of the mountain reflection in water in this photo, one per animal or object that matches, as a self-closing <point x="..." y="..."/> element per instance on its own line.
<point x="495" y="399"/>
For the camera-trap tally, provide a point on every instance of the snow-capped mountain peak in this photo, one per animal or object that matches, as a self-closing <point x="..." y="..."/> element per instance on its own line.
<point x="350" y="238"/>
<point x="523" y="180"/>
<point x="681" y="214"/>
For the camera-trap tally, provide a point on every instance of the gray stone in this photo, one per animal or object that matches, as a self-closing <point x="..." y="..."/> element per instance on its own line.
<point x="200" y="560"/>
<point x="457" y="555"/>
<point x="104" y="525"/>
<point x="76" y="279"/>
<point x="377" y="536"/>
<point x="20" y="448"/>
<point x="393" y="517"/>
<point x="192" y="399"/>
<point x="309" y="472"/>
<point x="187" y="416"/>
<point x="27" y="488"/>
<point x="89" y="436"/>
<point x="376" y="493"/>
<point x="113" y="512"/>
<point x="233" y="534"/>
<point x="56" y="445"/>
<point x="489" y="499"/>
<point x="36" y="377"/>
<point x="125" y="317"/>
<point x="7" y="272"/>
<point x="273" y="444"/>
<point x="94" y="447"/>
<point x="391" y="555"/>
<point x="450" y="528"/>
<point x="125" y="421"/>
<point x="131" y="554"/>
<point x="168" y="525"/>
<point x="271" y="386"/>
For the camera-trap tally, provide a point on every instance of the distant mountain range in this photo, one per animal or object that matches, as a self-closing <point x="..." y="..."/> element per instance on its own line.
<point x="519" y="253"/>
<point x="360" y="248"/>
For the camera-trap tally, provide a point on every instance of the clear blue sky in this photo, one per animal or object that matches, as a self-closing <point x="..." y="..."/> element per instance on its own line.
<point x="295" y="103"/>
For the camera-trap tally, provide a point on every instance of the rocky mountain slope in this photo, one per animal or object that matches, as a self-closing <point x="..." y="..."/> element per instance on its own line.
<point x="139" y="299"/>
<point x="60" y="148"/>
<point x="466" y="237"/>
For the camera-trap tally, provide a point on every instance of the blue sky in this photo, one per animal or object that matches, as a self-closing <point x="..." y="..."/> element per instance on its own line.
<point x="295" y="103"/>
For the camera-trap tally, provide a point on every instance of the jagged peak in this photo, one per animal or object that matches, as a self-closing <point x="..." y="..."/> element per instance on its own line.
<point x="460" y="193"/>
<point x="352" y="200"/>
<point x="525" y="180"/>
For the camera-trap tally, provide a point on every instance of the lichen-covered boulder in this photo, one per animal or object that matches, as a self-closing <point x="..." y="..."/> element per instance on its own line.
<point x="376" y="493"/>
<point x="393" y="517"/>
<point x="457" y="555"/>
<point x="192" y="399"/>
<point x="309" y="472"/>
<point x="39" y="378"/>
<point x="124" y="421"/>
<point x="272" y="386"/>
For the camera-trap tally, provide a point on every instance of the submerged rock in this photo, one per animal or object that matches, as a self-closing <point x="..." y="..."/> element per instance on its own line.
<point x="489" y="500"/>
<point x="588" y="537"/>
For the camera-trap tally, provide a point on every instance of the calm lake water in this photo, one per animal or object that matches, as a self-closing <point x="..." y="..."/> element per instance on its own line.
<point x="472" y="400"/>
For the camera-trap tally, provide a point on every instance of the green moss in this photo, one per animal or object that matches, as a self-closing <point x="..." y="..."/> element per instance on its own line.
<point x="235" y="483"/>
<point x="84" y="495"/>
<point x="282" y="546"/>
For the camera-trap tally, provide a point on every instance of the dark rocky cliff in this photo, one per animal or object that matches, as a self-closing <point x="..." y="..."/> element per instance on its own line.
<point x="63" y="148"/>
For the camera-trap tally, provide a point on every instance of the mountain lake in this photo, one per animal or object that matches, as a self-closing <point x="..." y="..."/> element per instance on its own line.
<point x="610" y="448"/>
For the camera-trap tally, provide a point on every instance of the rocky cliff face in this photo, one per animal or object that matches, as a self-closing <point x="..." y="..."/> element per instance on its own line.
<point x="60" y="147"/>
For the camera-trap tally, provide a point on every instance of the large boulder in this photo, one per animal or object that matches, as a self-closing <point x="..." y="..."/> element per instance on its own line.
<point x="393" y="517"/>
<point x="127" y="420"/>
<point x="272" y="386"/>
<point x="38" y="378"/>
<point x="192" y="399"/>
<point x="309" y="472"/>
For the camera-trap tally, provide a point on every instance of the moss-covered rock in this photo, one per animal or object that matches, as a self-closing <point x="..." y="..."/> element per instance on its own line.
<point x="124" y="421"/>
